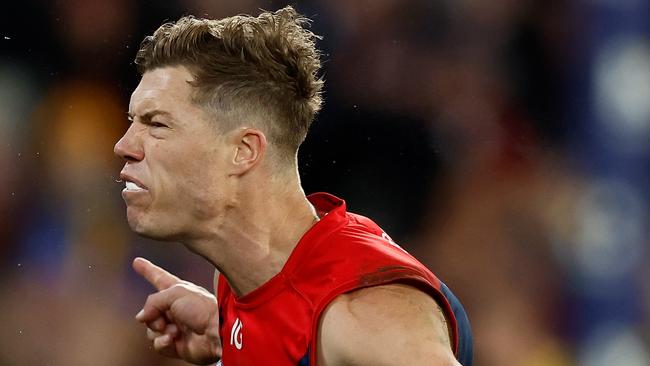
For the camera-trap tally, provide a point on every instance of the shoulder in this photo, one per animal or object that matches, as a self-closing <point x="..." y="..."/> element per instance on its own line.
<point x="384" y="325"/>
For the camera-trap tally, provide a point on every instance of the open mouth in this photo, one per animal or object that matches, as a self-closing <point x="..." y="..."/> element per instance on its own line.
<point x="132" y="186"/>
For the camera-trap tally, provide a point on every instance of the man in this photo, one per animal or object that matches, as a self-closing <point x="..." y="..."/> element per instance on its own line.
<point x="217" y="119"/>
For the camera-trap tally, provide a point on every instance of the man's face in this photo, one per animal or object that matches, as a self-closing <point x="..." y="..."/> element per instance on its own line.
<point x="175" y="172"/>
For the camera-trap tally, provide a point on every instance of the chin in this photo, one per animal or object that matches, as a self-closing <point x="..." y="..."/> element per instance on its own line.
<point x="144" y="226"/>
<point x="154" y="233"/>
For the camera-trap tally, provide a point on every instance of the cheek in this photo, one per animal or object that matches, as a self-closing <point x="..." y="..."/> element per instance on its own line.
<point x="202" y="195"/>
<point x="188" y="173"/>
<point x="193" y="181"/>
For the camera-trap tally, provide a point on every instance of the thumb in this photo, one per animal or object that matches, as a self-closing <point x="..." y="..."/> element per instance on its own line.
<point x="157" y="276"/>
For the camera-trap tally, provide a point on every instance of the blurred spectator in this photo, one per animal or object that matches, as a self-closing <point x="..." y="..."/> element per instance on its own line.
<point x="17" y="94"/>
<point x="504" y="143"/>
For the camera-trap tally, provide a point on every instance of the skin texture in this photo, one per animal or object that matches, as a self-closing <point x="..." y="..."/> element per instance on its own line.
<point x="166" y="148"/>
<point x="181" y="318"/>
<point x="384" y="325"/>
<point x="215" y="192"/>
<point x="226" y="197"/>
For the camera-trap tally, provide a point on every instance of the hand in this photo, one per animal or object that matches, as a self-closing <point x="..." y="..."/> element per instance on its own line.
<point x="182" y="318"/>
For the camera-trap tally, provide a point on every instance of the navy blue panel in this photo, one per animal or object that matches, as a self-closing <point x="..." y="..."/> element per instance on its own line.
<point x="305" y="360"/>
<point x="465" y="346"/>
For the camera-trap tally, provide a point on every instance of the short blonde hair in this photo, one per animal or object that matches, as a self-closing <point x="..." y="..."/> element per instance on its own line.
<point x="265" y="66"/>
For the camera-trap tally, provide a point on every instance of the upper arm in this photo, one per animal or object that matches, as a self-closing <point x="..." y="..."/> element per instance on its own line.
<point x="384" y="325"/>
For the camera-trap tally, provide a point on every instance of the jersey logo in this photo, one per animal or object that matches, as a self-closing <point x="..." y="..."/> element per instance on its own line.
<point x="236" y="338"/>
<point x="391" y="241"/>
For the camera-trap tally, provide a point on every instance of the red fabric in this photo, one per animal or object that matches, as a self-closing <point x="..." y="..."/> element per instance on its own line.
<point x="278" y="322"/>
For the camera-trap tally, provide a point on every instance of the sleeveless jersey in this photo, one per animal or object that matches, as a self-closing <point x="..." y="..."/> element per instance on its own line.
<point x="277" y="323"/>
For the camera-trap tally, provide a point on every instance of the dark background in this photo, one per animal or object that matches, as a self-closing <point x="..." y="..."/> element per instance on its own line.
<point x="504" y="143"/>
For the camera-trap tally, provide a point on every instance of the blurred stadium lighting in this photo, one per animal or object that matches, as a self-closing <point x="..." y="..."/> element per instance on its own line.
<point x="622" y="77"/>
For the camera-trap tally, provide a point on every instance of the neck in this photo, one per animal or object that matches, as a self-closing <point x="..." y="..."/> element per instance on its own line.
<point x="252" y="241"/>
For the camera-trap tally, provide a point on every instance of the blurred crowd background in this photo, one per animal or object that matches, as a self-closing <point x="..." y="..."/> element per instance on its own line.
<point x="504" y="143"/>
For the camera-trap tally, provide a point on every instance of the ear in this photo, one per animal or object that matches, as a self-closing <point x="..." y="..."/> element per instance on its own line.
<point x="250" y="146"/>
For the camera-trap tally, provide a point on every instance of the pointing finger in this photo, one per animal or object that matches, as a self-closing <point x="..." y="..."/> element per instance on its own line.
<point x="157" y="276"/>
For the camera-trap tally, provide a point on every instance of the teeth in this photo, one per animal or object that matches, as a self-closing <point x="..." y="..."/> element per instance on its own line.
<point x="132" y="186"/>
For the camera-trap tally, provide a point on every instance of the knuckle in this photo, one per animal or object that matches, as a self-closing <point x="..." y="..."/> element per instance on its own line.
<point x="157" y="325"/>
<point x="181" y="287"/>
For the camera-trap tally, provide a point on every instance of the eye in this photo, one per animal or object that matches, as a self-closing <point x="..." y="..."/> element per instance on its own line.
<point x="157" y="124"/>
<point x="156" y="129"/>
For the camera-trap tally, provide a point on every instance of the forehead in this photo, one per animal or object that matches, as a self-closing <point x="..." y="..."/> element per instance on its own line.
<point x="164" y="87"/>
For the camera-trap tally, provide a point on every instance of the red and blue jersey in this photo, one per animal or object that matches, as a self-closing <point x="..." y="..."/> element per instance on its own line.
<point x="277" y="323"/>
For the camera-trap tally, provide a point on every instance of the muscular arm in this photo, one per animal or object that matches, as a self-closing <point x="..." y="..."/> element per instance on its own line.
<point x="384" y="325"/>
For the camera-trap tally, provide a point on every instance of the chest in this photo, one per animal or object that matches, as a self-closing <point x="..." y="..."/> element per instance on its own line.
<point x="276" y="331"/>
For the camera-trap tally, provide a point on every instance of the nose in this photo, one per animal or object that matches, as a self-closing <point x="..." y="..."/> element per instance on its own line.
<point x="129" y="147"/>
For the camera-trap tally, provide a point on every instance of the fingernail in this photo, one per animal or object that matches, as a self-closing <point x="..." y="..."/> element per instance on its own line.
<point x="139" y="315"/>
